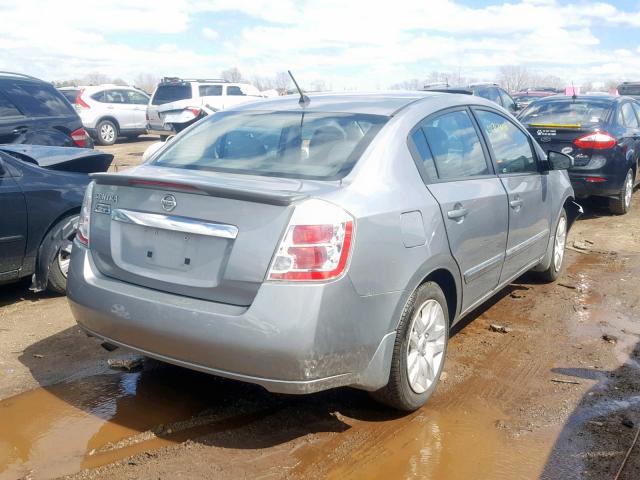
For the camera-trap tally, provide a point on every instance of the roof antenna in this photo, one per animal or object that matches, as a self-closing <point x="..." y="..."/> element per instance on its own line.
<point x="304" y="100"/>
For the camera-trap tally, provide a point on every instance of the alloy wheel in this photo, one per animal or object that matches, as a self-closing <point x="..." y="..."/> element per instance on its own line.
<point x="628" y="189"/>
<point x="560" y="242"/>
<point x="426" y="345"/>
<point x="107" y="132"/>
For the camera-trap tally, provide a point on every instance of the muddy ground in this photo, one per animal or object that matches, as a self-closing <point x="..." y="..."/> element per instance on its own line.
<point x="558" y="396"/>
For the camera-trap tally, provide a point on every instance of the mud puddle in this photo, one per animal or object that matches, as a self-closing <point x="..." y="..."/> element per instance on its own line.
<point x="534" y="402"/>
<point x="58" y="430"/>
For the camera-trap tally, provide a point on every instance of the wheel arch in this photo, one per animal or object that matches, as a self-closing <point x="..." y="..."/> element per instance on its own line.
<point x="111" y="119"/>
<point x="48" y="246"/>
<point x="442" y="270"/>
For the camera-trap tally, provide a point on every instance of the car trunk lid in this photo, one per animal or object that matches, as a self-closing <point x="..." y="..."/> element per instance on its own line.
<point x="561" y="138"/>
<point x="198" y="234"/>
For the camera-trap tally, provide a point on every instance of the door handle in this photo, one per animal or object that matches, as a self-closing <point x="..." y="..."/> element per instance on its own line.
<point x="19" y="130"/>
<point x="515" y="203"/>
<point x="457" y="213"/>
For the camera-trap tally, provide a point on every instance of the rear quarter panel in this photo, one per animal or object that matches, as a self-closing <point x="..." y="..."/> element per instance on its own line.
<point x="50" y="195"/>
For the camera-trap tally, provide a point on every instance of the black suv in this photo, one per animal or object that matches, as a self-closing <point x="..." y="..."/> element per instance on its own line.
<point x="34" y="112"/>
<point x="490" y="91"/>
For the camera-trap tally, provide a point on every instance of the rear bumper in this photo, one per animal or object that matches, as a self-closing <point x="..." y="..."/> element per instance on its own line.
<point x="292" y="339"/>
<point x="159" y="131"/>
<point x="585" y="188"/>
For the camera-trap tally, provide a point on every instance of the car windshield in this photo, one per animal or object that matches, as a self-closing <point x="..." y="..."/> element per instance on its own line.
<point x="566" y="112"/>
<point x="171" y="93"/>
<point x="322" y="146"/>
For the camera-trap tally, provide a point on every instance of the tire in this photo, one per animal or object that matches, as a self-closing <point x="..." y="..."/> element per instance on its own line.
<point x="106" y="132"/>
<point x="57" y="280"/>
<point x="163" y="138"/>
<point x="622" y="203"/>
<point x="552" y="273"/>
<point x="404" y="391"/>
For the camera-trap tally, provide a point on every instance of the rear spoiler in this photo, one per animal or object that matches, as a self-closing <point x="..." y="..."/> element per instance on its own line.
<point x="213" y="187"/>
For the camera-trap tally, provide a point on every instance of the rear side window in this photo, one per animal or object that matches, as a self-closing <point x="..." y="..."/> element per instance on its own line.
<point x="234" y="90"/>
<point x="575" y="113"/>
<point x="628" y="116"/>
<point x="38" y="99"/>
<point x="420" y="143"/>
<point x="171" y="93"/>
<point x="8" y="109"/>
<point x="455" y="146"/>
<point x="210" y="90"/>
<point x="321" y="146"/>
<point x="510" y="146"/>
<point x="70" y="95"/>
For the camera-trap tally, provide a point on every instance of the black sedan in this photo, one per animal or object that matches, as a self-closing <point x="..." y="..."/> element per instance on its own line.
<point x="41" y="191"/>
<point x="602" y="133"/>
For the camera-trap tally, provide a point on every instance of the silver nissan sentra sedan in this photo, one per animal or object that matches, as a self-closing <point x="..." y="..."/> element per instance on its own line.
<point x="306" y="245"/>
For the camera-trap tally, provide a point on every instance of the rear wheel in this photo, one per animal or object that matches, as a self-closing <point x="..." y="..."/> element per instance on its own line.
<point x="557" y="254"/>
<point x="59" y="267"/>
<point x="622" y="203"/>
<point x="419" y="351"/>
<point x="107" y="132"/>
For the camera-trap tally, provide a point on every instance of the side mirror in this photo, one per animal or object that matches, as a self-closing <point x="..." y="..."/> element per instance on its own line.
<point x="559" y="161"/>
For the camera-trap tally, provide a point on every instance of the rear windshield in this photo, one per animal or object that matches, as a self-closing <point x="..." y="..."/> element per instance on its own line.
<point x="567" y="112"/>
<point x="37" y="99"/>
<point x="171" y="93"/>
<point x="322" y="146"/>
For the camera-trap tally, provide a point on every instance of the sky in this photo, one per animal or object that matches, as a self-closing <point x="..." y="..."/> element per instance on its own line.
<point x="347" y="44"/>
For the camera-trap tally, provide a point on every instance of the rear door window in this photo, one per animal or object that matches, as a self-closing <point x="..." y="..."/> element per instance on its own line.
<point x="455" y="146"/>
<point x="210" y="90"/>
<point x="171" y="93"/>
<point x="136" y="98"/>
<point x="321" y="146"/>
<point x="115" y="96"/>
<point x="511" y="147"/>
<point x="37" y="99"/>
<point x="8" y="109"/>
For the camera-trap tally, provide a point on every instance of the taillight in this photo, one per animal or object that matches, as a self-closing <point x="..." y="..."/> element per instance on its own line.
<point x="195" y="110"/>
<point x="79" y="102"/>
<point x="596" y="140"/>
<point x="316" y="244"/>
<point x="85" y="216"/>
<point x="80" y="137"/>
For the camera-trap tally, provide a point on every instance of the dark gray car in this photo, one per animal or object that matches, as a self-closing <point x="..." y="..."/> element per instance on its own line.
<point x="309" y="246"/>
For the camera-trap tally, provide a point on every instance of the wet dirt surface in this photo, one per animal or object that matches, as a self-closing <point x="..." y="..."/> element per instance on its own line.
<point x="549" y="399"/>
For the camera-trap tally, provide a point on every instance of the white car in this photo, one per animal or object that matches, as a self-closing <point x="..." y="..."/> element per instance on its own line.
<point x="177" y="103"/>
<point x="110" y="111"/>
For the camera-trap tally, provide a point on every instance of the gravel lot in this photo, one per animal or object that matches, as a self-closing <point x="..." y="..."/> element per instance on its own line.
<point x="557" y="396"/>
